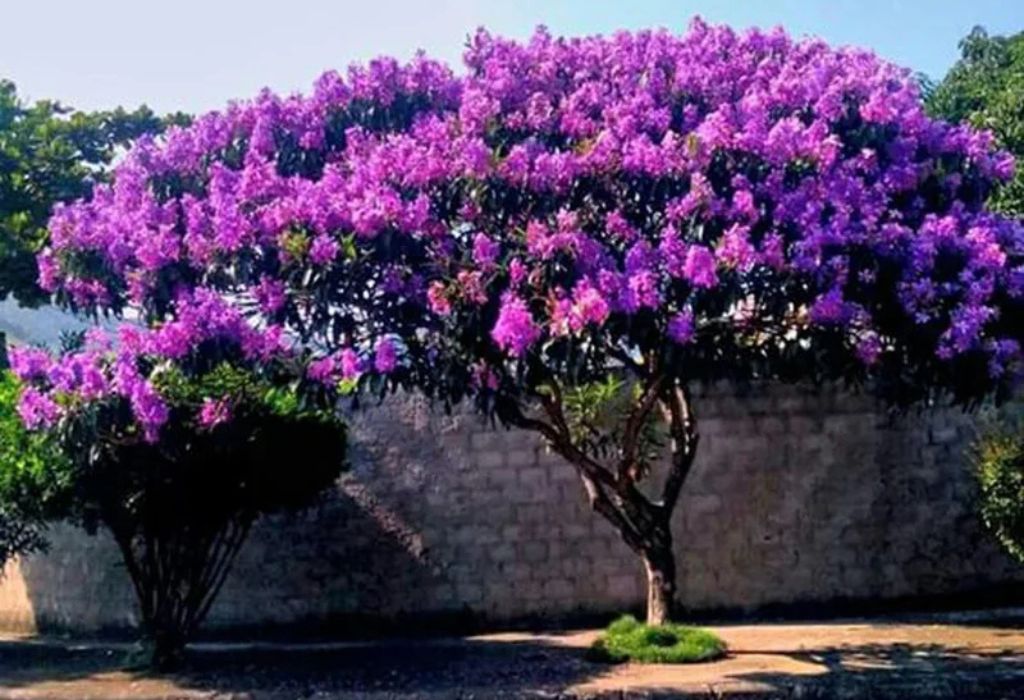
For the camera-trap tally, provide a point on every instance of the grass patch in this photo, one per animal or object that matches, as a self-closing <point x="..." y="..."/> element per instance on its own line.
<point x="627" y="639"/>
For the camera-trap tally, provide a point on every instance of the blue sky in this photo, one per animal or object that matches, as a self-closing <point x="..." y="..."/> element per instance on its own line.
<point x="194" y="55"/>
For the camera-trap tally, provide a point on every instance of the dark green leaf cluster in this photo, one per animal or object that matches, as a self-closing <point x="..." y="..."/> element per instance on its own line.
<point x="999" y="463"/>
<point x="94" y="468"/>
<point x="200" y="475"/>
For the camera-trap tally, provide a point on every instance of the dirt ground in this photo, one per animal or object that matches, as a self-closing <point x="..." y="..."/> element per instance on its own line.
<point x="943" y="656"/>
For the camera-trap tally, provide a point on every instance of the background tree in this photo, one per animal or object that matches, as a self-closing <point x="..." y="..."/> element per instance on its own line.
<point x="999" y="463"/>
<point x="34" y="477"/>
<point x="175" y="440"/>
<point x="50" y="154"/>
<point x="986" y="89"/>
<point x="576" y="233"/>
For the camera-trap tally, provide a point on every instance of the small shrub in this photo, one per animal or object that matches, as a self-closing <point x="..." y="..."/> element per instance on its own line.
<point x="627" y="639"/>
<point x="999" y="464"/>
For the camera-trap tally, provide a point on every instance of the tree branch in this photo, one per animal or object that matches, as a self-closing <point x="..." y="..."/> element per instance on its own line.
<point x="683" y="428"/>
<point x="634" y="424"/>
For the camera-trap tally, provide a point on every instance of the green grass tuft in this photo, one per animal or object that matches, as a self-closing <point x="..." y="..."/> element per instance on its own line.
<point x="627" y="639"/>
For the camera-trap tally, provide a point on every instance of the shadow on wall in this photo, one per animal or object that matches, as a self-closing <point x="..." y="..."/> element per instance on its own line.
<point x="801" y="502"/>
<point x="282" y="576"/>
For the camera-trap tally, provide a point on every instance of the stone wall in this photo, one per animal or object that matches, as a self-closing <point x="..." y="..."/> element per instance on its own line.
<point x="798" y="496"/>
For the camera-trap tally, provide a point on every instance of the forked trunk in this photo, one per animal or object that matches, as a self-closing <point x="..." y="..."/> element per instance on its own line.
<point x="644" y="523"/>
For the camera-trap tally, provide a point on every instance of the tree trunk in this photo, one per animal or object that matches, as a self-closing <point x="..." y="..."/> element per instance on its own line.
<point x="168" y="647"/>
<point x="644" y="524"/>
<point x="660" y="564"/>
<point x="177" y="578"/>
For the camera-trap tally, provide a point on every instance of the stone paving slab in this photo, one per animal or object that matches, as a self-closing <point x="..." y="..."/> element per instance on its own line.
<point x="946" y="656"/>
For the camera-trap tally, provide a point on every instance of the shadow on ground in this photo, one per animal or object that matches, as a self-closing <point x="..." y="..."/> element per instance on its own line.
<point x="500" y="668"/>
<point x="402" y="667"/>
<point x="887" y="671"/>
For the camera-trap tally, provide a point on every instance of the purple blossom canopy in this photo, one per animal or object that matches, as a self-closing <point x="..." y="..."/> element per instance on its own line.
<point x="733" y="205"/>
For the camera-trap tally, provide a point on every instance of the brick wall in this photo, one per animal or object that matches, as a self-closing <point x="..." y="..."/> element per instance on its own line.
<point x="797" y="496"/>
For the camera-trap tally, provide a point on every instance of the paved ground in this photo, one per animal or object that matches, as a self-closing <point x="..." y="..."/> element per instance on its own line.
<point x="950" y="656"/>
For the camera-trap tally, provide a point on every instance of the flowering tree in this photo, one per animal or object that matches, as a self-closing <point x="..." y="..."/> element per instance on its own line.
<point x="171" y="438"/>
<point x="578" y="224"/>
<point x="51" y="154"/>
<point x="984" y="87"/>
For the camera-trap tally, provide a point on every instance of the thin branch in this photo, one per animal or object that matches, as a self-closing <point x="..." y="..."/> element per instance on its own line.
<point x="683" y="427"/>
<point x="634" y="424"/>
<point x="558" y="436"/>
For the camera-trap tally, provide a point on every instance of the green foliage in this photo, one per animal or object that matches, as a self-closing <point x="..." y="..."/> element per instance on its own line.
<point x="999" y="463"/>
<point x="597" y="413"/>
<point x="240" y="386"/>
<point x="627" y="639"/>
<point x="986" y="88"/>
<point x="34" y="478"/>
<point x="49" y="154"/>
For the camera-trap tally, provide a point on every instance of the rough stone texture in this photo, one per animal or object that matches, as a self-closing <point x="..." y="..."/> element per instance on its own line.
<point x="797" y="496"/>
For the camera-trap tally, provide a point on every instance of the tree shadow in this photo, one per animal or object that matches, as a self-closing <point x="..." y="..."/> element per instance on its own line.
<point x="520" y="667"/>
<point x="489" y="667"/>
<point x="26" y="662"/>
<point x="896" y="670"/>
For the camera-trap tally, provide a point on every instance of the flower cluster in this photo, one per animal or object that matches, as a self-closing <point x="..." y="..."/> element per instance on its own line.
<point x="129" y="365"/>
<point x="709" y="195"/>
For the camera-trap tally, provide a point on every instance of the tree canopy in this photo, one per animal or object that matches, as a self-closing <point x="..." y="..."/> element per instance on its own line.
<point x="576" y="223"/>
<point x="986" y="89"/>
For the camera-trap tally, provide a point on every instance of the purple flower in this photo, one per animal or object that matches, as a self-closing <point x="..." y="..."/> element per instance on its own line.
<point x="437" y="299"/>
<point x="699" y="267"/>
<point x="149" y="409"/>
<point x="515" y="330"/>
<point x="351" y="363"/>
<point x="869" y="348"/>
<point x="323" y="250"/>
<point x="589" y="306"/>
<point x="681" y="328"/>
<point x="29" y="364"/>
<point x="485" y="250"/>
<point x="214" y="412"/>
<point x="634" y="175"/>
<point x="517" y="273"/>
<point x="37" y="410"/>
<point x="270" y="295"/>
<point x="830" y="308"/>
<point x="735" y="249"/>
<point x="322" y="370"/>
<point x="385" y="358"/>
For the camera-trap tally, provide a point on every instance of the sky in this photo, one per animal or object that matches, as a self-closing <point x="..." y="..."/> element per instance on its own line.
<point x="195" y="55"/>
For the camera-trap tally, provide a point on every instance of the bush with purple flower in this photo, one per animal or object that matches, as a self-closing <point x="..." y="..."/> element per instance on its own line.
<point x="171" y="438"/>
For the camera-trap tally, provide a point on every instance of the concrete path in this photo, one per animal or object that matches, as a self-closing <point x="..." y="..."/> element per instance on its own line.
<point x="944" y="656"/>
